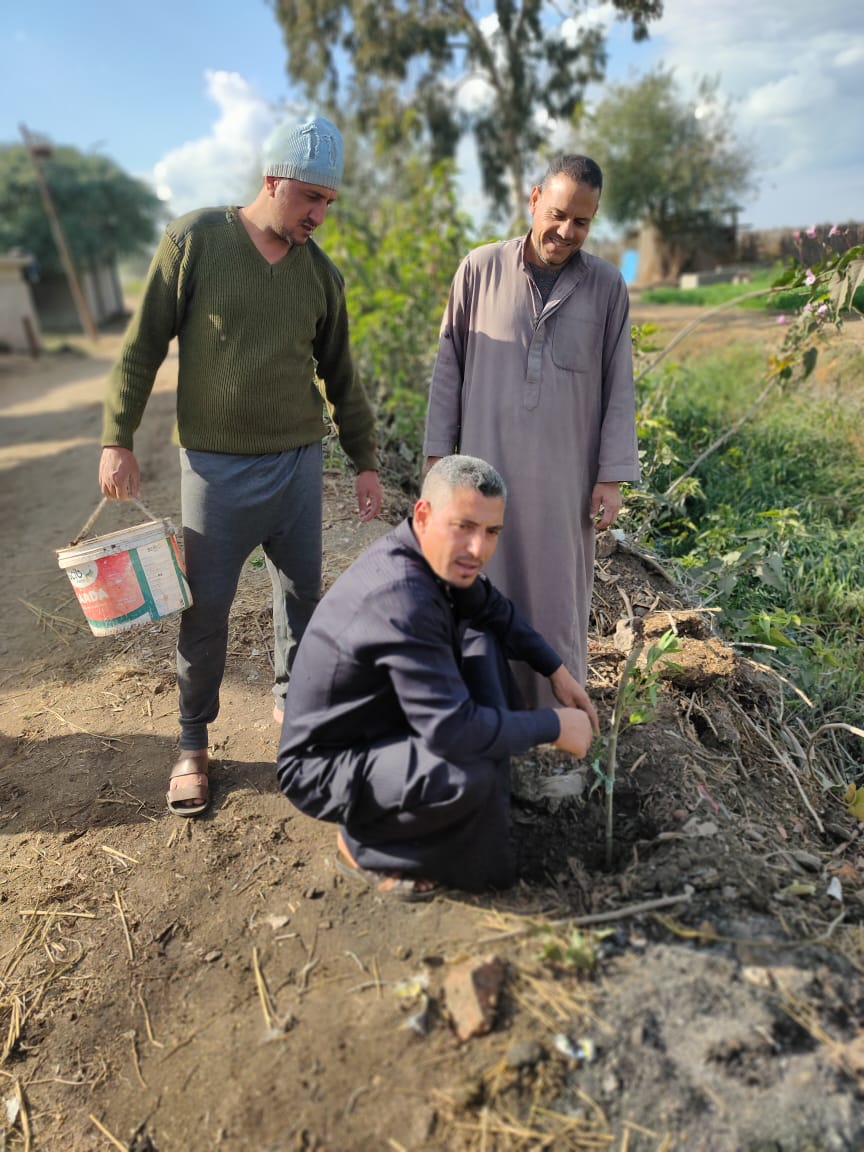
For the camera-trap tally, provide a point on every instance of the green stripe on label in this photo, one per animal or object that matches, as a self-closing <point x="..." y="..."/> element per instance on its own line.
<point x="143" y="584"/>
<point x="109" y="625"/>
<point x="181" y="579"/>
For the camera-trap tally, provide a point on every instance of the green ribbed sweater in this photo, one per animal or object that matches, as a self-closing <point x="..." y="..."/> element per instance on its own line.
<point x="252" y="336"/>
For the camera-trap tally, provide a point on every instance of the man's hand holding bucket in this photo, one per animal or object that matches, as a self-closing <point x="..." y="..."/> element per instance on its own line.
<point x="119" y="473"/>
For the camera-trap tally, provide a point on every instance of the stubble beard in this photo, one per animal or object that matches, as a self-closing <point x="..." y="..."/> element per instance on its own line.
<point x="566" y="255"/>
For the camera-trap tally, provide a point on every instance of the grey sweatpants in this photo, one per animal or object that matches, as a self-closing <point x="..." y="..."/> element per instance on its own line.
<point x="231" y="504"/>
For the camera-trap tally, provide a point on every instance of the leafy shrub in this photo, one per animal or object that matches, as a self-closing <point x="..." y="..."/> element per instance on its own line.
<point x="770" y="526"/>
<point x="398" y="252"/>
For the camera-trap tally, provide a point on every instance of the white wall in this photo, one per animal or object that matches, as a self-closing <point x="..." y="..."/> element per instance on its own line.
<point x="17" y="311"/>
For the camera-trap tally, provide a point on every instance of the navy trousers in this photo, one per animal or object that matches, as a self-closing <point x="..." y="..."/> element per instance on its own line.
<point x="403" y="808"/>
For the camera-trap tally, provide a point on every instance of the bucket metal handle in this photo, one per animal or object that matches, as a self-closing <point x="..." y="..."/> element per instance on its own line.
<point x="93" y="517"/>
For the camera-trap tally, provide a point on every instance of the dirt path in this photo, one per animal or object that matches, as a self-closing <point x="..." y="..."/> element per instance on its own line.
<point x="172" y="986"/>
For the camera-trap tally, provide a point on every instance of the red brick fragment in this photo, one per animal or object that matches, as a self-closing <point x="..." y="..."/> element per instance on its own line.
<point x="471" y="990"/>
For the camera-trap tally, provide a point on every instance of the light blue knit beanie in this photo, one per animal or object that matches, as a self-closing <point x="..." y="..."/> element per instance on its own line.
<point x="310" y="150"/>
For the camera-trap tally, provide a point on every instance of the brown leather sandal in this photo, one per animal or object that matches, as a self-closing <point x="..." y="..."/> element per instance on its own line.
<point x="197" y="790"/>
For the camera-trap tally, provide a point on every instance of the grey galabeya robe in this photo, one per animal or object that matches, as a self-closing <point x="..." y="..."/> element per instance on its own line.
<point x="545" y="394"/>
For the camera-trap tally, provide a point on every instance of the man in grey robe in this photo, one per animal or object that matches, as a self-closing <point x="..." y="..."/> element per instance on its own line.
<point x="534" y="373"/>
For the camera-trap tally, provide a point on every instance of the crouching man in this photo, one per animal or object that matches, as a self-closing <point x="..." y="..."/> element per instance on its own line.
<point x="395" y="735"/>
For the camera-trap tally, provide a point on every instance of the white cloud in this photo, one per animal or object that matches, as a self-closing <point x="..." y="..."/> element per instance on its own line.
<point x="475" y="95"/>
<point x="223" y="167"/>
<point x="601" y="16"/>
<point x="787" y="98"/>
<point x="794" y="78"/>
<point x="850" y="57"/>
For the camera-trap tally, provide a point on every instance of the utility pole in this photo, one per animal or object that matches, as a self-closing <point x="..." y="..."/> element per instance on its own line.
<point x="35" y="152"/>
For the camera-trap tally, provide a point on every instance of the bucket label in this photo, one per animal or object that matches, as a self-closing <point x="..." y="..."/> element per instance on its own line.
<point x="164" y="578"/>
<point x="107" y="588"/>
<point x="119" y="590"/>
<point x="83" y="576"/>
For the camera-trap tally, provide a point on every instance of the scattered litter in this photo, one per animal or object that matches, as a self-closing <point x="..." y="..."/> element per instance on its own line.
<point x="799" y="888"/>
<point x="414" y="986"/>
<point x="418" y="1021"/>
<point x="835" y="889"/>
<point x="413" y="992"/>
<point x="582" y="1051"/>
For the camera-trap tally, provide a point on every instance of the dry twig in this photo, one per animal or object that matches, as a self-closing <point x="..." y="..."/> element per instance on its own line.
<point x="118" y="900"/>
<point x="830" y="728"/>
<point x="106" y="742"/>
<point x="267" y="1006"/>
<point x="108" y="1135"/>
<point x="119" y="855"/>
<point x="133" y="1041"/>
<point x="156" y="1043"/>
<point x="783" y="760"/>
<point x="23" y="1114"/>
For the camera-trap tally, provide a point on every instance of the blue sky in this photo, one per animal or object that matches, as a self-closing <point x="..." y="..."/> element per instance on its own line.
<point x="184" y="93"/>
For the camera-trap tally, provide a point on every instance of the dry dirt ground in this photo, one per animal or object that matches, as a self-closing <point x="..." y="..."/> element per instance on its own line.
<point x="181" y="986"/>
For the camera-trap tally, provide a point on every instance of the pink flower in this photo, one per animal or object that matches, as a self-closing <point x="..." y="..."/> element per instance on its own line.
<point x="796" y="236"/>
<point x="807" y="307"/>
<point x="811" y="231"/>
<point x="781" y="319"/>
<point x="835" y="231"/>
<point x="810" y="278"/>
<point x="822" y="309"/>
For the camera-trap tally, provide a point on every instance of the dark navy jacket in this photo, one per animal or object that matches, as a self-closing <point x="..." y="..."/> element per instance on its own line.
<point x="381" y="658"/>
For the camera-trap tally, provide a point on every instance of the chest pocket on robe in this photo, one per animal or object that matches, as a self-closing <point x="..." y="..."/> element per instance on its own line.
<point x="576" y="342"/>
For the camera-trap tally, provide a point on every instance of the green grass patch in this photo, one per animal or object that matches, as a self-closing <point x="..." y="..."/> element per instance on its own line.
<point x="770" y="527"/>
<point x="713" y="295"/>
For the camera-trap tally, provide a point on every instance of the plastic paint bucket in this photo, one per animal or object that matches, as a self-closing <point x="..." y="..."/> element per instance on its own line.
<point x="127" y="578"/>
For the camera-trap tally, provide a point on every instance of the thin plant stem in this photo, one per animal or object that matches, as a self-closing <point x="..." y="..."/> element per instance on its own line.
<point x="617" y="715"/>
<point x="688" y="328"/>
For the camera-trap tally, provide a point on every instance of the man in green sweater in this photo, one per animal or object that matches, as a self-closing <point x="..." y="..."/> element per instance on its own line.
<point x="259" y="312"/>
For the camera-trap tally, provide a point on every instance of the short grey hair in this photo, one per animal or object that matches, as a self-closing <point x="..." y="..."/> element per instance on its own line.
<point x="463" y="472"/>
<point x="579" y="169"/>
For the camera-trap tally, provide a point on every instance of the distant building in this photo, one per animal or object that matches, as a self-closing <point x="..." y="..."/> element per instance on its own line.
<point x="695" y="243"/>
<point x="19" y="323"/>
<point x="102" y="292"/>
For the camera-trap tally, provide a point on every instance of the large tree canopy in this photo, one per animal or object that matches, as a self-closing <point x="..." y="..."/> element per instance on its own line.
<point x="666" y="161"/>
<point x="396" y="66"/>
<point x="104" y="212"/>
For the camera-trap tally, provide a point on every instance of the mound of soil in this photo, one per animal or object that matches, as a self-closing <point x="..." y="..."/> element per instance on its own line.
<point x="168" y="986"/>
